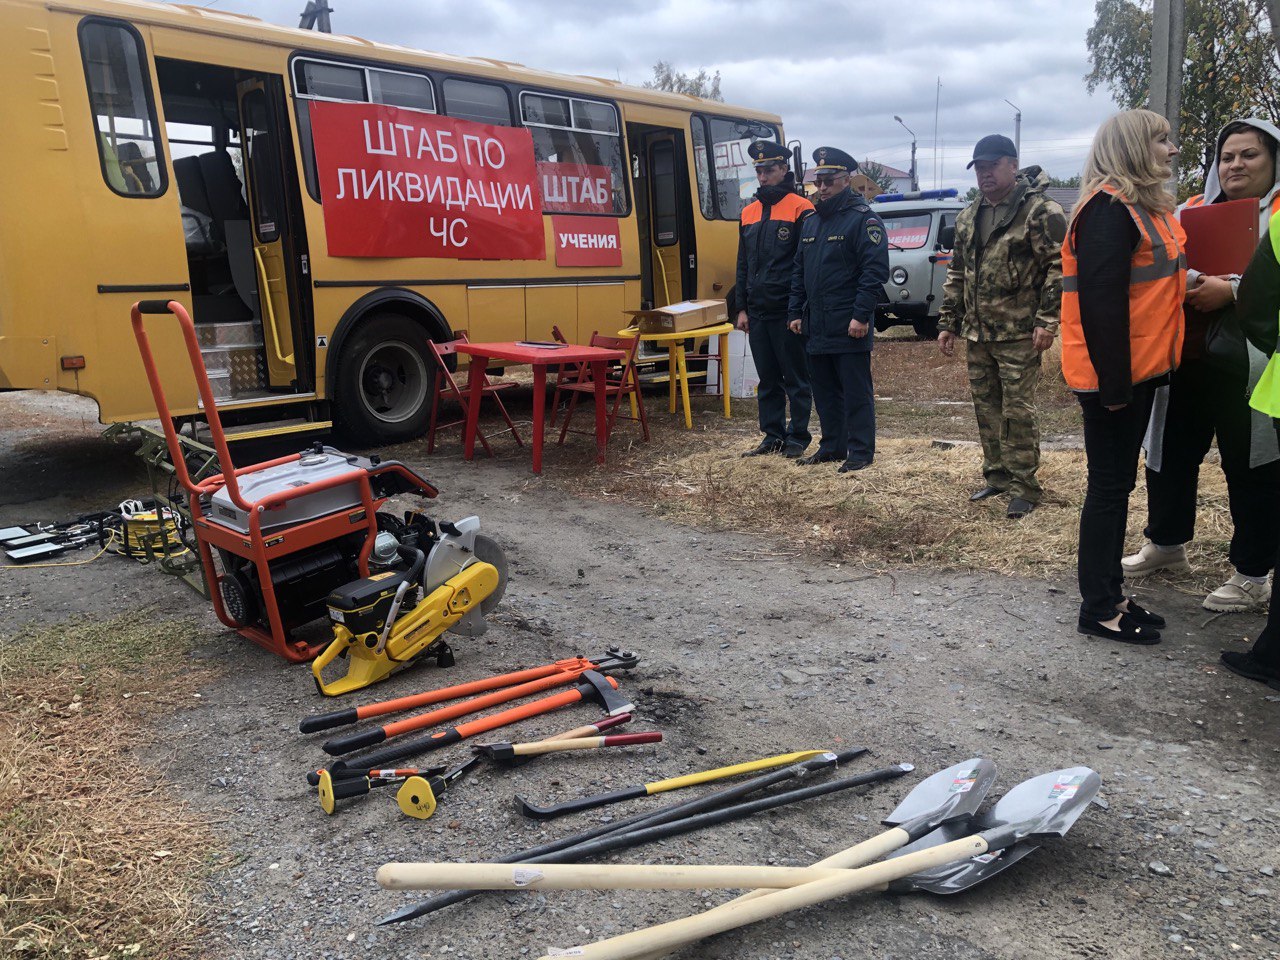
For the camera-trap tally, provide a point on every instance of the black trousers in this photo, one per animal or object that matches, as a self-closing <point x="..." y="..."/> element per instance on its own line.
<point x="846" y="403"/>
<point x="1267" y="647"/>
<point x="1202" y="403"/>
<point x="780" y="360"/>
<point x="1112" y="442"/>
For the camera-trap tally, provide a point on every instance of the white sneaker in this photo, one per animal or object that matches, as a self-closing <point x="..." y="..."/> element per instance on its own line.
<point x="1239" y="594"/>
<point x="1152" y="558"/>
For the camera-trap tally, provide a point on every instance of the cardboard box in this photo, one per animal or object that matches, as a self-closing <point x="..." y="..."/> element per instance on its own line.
<point x="678" y="317"/>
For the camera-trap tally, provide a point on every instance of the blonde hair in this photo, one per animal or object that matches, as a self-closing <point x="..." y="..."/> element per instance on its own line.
<point x="1121" y="158"/>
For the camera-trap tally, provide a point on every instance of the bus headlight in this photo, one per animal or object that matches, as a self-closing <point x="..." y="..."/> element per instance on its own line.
<point x="898" y="275"/>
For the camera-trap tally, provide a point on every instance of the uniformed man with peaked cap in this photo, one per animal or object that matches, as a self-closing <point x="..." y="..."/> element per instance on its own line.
<point x="767" y="237"/>
<point x="841" y="268"/>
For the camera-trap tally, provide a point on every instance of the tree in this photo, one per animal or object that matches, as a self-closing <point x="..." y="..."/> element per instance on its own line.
<point x="1231" y="70"/>
<point x="876" y="173"/>
<point x="972" y="195"/>
<point x="700" y="84"/>
<point x="1072" y="182"/>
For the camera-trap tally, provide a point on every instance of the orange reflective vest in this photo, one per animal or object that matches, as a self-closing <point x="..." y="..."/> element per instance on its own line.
<point x="1157" y="285"/>
<point x="1266" y="395"/>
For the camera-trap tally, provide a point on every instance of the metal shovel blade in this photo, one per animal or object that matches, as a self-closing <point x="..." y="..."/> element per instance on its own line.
<point x="957" y="877"/>
<point x="955" y="792"/>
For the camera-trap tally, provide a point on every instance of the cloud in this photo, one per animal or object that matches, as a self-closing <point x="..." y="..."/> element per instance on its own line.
<point x="836" y="73"/>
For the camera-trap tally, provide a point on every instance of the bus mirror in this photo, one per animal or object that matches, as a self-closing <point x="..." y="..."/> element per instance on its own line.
<point x="947" y="237"/>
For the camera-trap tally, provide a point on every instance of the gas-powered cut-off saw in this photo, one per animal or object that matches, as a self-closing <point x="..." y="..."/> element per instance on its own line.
<point x="299" y="535"/>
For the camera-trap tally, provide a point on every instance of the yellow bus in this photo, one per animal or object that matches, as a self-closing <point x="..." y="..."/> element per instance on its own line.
<point x="167" y="151"/>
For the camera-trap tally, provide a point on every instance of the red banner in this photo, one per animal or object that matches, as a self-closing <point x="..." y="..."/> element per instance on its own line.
<point x="400" y="183"/>
<point x="575" y="188"/>
<point x="587" y="241"/>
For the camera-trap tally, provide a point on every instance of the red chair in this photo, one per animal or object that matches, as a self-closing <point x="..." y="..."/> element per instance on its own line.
<point x="624" y="382"/>
<point x="567" y="373"/>
<point x="447" y="388"/>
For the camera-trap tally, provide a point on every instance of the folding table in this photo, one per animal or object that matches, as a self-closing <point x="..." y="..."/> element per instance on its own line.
<point x="678" y="371"/>
<point x="538" y="356"/>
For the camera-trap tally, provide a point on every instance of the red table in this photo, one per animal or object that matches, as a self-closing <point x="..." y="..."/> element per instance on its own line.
<point x="539" y="358"/>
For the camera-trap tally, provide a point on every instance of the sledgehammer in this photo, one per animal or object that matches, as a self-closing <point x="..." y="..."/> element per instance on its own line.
<point x="507" y="752"/>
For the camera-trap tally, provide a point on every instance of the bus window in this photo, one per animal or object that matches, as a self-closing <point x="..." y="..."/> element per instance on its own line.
<point x="124" y="116"/>
<point x="706" y="189"/>
<point x="264" y="169"/>
<point x="351" y="83"/>
<point x="666" y="208"/>
<point x="732" y="169"/>
<point x="577" y="140"/>
<point x="481" y="102"/>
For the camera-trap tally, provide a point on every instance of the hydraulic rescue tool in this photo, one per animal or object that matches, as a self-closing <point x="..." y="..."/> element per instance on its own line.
<point x="283" y="541"/>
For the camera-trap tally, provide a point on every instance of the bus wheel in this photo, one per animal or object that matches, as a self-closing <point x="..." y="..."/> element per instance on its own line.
<point x="385" y="378"/>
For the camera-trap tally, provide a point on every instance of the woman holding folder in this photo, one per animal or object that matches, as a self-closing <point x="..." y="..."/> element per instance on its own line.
<point x="1206" y="399"/>
<point x="1123" y="283"/>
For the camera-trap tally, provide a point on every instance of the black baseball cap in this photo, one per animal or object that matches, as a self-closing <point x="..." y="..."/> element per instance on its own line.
<point x="993" y="147"/>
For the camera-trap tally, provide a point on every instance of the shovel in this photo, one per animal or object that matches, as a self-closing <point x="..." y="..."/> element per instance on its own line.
<point x="1044" y="806"/>
<point x="948" y="798"/>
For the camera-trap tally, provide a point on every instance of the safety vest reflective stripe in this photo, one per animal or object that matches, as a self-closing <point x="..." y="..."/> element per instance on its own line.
<point x="1266" y="395"/>
<point x="1157" y="283"/>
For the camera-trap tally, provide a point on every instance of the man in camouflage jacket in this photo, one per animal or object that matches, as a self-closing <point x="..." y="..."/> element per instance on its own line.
<point x="1003" y="295"/>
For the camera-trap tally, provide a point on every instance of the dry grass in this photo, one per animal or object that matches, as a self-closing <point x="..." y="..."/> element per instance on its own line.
<point x="911" y="506"/>
<point x="98" y="858"/>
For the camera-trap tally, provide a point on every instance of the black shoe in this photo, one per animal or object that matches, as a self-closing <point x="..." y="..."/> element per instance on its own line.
<point x="1019" y="508"/>
<point x="987" y="491"/>
<point x="1244" y="664"/>
<point x="850" y="466"/>
<point x="818" y="457"/>
<point x="1142" y="616"/>
<point x="1127" y="631"/>
<point x="766" y="447"/>
<point x="793" y="451"/>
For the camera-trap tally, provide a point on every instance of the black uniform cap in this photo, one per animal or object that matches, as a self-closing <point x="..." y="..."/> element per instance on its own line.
<point x="765" y="152"/>
<point x="833" y="161"/>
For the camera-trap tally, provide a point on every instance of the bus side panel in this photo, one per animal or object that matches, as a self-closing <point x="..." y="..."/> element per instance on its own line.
<point x="600" y="308"/>
<point x="495" y="313"/>
<point x="547" y="307"/>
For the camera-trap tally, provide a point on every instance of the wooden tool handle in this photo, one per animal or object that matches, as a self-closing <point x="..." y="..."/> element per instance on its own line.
<point x="583" y="743"/>
<point x="591" y="876"/>
<point x="688" y="929"/>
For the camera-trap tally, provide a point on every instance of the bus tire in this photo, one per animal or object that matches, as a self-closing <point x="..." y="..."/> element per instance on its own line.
<point x="386" y="375"/>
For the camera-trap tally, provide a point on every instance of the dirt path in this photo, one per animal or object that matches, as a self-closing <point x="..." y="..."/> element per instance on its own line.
<point x="745" y="653"/>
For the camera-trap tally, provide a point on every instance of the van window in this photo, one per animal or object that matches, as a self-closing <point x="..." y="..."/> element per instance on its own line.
<point x="578" y="146"/>
<point x="123" y="115"/>
<point x="481" y="102"/>
<point x="908" y="231"/>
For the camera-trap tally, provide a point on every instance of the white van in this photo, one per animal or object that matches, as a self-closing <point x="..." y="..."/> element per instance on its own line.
<point x="921" y="228"/>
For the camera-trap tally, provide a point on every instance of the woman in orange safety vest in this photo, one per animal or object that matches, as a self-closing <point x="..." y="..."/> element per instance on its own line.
<point x="1123" y="283"/>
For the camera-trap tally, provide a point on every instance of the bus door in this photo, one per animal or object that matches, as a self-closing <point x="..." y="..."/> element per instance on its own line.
<point x="277" y="234"/>
<point x="664" y="215"/>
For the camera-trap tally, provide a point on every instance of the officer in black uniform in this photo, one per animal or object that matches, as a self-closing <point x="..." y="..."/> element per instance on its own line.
<point x="767" y="239"/>
<point x="841" y="268"/>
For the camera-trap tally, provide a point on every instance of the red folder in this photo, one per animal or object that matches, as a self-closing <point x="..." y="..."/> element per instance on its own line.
<point x="1221" y="237"/>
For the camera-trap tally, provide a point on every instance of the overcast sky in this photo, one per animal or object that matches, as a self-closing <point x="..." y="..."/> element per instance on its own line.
<point x="836" y="71"/>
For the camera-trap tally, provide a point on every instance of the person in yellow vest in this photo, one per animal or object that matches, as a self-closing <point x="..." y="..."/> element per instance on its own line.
<point x="1208" y="398"/>
<point x="1123" y="281"/>
<point x="1258" y="312"/>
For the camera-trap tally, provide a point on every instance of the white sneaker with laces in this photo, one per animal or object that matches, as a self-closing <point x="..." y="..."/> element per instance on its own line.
<point x="1152" y="558"/>
<point x="1239" y="594"/>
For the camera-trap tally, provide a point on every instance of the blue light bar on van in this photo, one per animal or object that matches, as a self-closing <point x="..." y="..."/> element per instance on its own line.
<point x="917" y="195"/>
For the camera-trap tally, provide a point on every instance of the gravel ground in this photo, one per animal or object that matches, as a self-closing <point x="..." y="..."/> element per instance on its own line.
<point x="747" y="651"/>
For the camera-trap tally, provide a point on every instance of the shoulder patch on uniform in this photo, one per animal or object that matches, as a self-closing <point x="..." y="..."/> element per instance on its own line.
<point x="1056" y="226"/>
<point x="875" y="231"/>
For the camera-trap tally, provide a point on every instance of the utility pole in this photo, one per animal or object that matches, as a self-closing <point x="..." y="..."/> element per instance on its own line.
<point x="937" y="100"/>
<point x="1168" y="51"/>
<point x="1017" y="127"/>
<point x="915" y="179"/>
<point x="316" y="16"/>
